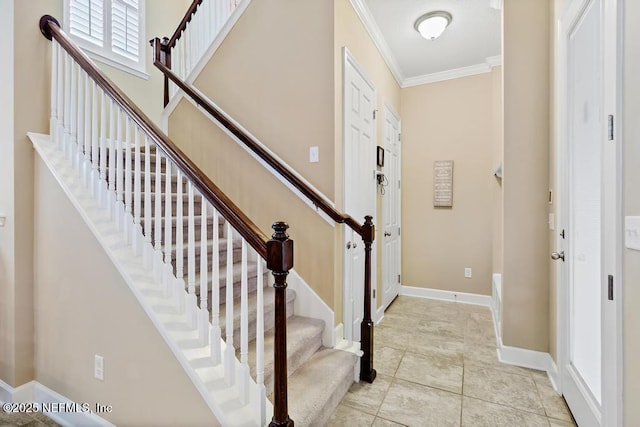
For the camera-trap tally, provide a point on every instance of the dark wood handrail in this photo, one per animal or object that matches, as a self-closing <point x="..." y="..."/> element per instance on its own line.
<point x="183" y="24"/>
<point x="50" y="27"/>
<point x="254" y="146"/>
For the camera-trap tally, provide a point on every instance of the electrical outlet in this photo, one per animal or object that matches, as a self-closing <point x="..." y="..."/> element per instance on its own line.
<point x="467" y="273"/>
<point x="98" y="367"/>
<point x="314" y="155"/>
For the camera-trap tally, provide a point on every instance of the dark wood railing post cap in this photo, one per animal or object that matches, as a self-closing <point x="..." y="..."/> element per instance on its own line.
<point x="368" y="229"/>
<point x="280" y="249"/>
<point x="44" y="27"/>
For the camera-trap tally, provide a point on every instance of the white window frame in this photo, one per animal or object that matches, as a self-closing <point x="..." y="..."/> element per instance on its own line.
<point x="105" y="53"/>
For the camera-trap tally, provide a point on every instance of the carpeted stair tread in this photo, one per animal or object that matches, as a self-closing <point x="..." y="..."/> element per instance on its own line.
<point x="318" y="386"/>
<point x="304" y="337"/>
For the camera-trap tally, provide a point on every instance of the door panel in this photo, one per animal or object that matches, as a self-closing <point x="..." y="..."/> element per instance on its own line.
<point x="359" y="190"/>
<point x="391" y="203"/>
<point x="582" y="373"/>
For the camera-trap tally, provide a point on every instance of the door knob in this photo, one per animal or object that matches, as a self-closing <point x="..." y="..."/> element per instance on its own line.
<point x="349" y="245"/>
<point x="387" y="234"/>
<point x="556" y="256"/>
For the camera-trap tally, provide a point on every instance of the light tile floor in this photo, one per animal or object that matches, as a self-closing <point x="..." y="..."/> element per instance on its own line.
<point x="437" y="366"/>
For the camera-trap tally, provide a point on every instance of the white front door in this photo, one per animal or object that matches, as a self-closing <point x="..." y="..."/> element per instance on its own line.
<point x="359" y="192"/>
<point x="391" y="208"/>
<point x="582" y="211"/>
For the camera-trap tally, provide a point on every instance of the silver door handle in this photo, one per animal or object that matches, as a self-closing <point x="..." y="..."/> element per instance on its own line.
<point x="387" y="234"/>
<point x="556" y="256"/>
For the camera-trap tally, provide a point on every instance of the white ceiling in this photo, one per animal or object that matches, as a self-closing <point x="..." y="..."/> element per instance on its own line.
<point x="470" y="44"/>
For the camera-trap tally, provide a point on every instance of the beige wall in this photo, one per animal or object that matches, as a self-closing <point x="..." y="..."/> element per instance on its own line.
<point x="449" y="120"/>
<point x="525" y="283"/>
<point x="631" y="138"/>
<point x="273" y="75"/>
<point x="30" y="108"/>
<point x="84" y="308"/>
<point x="350" y="33"/>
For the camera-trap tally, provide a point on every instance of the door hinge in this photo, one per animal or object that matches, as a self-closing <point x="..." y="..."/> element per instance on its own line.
<point x="562" y="234"/>
<point x="398" y="278"/>
<point x="374" y="294"/>
<point x="398" y="184"/>
<point x="399" y="137"/>
<point x="610" y="127"/>
<point x="398" y="231"/>
<point x="374" y="114"/>
<point x="610" y="288"/>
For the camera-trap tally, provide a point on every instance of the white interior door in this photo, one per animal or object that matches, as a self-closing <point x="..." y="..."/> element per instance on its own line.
<point x="359" y="193"/>
<point x="391" y="202"/>
<point x="582" y="240"/>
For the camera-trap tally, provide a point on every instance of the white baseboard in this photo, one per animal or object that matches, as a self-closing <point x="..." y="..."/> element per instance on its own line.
<point x="461" y="297"/>
<point x="309" y="304"/>
<point x="378" y="315"/>
<point x="525" y="358"/>
<point x="79" y="414"/>
<point x="554" y="376"/>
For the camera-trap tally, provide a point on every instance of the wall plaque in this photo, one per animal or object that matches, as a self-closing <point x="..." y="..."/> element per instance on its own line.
<point x="443" y="183"/>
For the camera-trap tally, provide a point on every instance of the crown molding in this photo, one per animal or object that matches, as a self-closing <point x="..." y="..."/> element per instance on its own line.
<point x="372" y="28"/>
<point x="456" y="73"/>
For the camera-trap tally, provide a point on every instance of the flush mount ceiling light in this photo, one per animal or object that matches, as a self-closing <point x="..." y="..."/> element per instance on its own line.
<point x="431" y="25"/>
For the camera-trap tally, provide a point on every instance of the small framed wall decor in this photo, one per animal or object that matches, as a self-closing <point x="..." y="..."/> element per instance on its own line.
<point x="443" y="183"/>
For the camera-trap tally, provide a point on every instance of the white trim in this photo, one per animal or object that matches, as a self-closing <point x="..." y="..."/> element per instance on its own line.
<point x="165" y="123"/>
<point x="34" y="392"/>
<point x="524" y="357"/>
<point x="217" y="41"/>
<point x="456" y="73"/>
<point x="307" y="303"/>
<point x="363" y="12"/>
<point x="378" y="315"/>
<point x="438" y="294"/>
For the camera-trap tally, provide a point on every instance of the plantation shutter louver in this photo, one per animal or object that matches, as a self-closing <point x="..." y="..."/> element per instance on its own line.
<point x="125" y="28"/>
<point x="87" y="20"/>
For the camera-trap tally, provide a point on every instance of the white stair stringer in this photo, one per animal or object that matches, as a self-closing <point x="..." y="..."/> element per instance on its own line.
<point x="171" y="322"/>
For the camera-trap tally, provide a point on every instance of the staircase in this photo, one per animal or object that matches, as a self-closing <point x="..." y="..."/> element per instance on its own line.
<point x="193" y="260"/>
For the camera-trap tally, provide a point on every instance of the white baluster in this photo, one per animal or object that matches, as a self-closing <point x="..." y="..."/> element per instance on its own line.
<point x="244" y="325"/>
<point x="111" y="172"/>
<point x="127" y="201"/>
<point x="229" y="356"/>
<point x="191" y="258"/>
<point x="158" y="218"/>
<point x="216" y="333"/>
<point x="219" y="14"/>
<point x="147" y="203"/>
<point x="186" y="35"/>
<point x="73" y="119"/>
<point x="86" y="159"/>
<point x="103" y="150"/>
<point x="79" y="133"/>
<point x="66" y="140"/>
<point x="136" y="237"/>
<point x="61" y="77"/>
<point x="204" y="270"/>
<point x="95" y="140"/>
<point x="168" y="231"/>
<point x="119" y="159"/>
<point x="53" y="121"/>
<point x="260" y="389"/>
<point x="180" y="285"/>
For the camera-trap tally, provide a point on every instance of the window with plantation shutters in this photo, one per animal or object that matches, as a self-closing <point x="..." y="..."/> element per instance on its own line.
<point x="110" y="31"/>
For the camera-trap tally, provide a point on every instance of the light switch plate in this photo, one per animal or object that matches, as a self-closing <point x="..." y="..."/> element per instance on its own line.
<point x="3" y="220"/>
<point x="314" y="155"/>
<point x="632" y="232"/>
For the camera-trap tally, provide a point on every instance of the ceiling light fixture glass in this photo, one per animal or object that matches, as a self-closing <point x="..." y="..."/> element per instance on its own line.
<point x="431" y="25"/>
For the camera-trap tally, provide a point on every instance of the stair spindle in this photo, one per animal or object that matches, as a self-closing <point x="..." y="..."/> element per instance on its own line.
<point x="230" y="354"/>
<point x="95" y="141"/>
<point x="244" y="323"/>
<point x="60" y="94"/>
<point x="86" y="128"/>
<point x="119" y="160"/>
<point x="128" y="175"/>
<point x="191" y="257"/>
<point x="216" y="333"/>
<point x="158" y="218"/>
<point x="147" y="201"/>
<point x="203" y="319"/>
<point x="111" y="176"/>
<point x="73" y="119"/>
<point x="53" y="118"/>
<point x="67" y="105"/>
<point x="168" y="232"/>
<point x="260" y="387"/>
<point x="103" y="149"/>
<point x="137" y="196"/>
